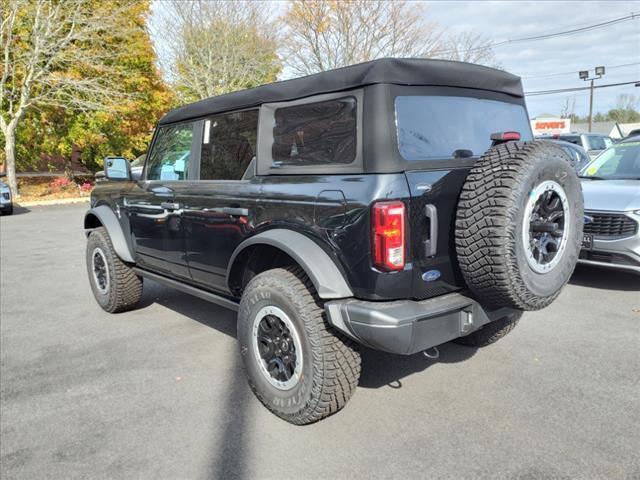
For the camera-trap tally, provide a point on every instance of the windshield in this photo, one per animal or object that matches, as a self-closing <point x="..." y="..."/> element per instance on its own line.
<point x="622" y="161"/>
<point x="444" y="127"/>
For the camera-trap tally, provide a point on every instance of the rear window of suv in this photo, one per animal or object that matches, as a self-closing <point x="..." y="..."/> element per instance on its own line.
<point x="431" y="127"/>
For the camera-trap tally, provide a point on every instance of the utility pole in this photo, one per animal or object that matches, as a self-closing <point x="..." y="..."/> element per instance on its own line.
<point x="584" y="75"/>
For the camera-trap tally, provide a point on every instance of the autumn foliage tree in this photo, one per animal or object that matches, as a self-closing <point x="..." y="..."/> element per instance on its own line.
<point x="322" y="35"/>
<point x="86" y="68"/>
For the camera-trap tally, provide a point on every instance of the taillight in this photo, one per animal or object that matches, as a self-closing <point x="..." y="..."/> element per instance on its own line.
<point x="387" y="235"/>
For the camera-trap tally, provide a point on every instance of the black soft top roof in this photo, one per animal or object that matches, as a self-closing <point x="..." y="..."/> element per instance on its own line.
<point x="398" y="71"/>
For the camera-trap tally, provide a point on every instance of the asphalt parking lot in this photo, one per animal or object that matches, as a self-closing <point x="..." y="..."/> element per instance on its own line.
<point x="160" y="393"/>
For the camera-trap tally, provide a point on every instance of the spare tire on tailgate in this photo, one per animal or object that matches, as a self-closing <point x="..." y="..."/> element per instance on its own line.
<point x="519" y="225"/>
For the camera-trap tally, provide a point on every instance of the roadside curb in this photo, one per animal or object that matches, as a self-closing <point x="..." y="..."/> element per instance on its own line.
<point x="61" y="201"/>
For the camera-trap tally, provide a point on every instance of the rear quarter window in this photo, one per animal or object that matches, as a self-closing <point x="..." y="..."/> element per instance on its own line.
<point x="315" y="133"/>
<point x="432" y="127"/>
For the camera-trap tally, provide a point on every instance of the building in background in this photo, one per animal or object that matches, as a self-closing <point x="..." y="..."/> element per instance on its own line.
<point x="550" y="126"/>
<point x="611" y="129"/>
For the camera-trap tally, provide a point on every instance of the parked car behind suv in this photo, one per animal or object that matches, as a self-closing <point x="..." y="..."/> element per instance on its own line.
<point x="395" y="204"/>
<point x="593" y="143"/>
<point x="611" y="186"/>
<point x="576" y="152"/>
<point x="6" y="201"/>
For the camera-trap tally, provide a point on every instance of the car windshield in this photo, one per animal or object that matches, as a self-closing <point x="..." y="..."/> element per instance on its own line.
<point x="621" y="161"/>
<point x="444" y="127"/>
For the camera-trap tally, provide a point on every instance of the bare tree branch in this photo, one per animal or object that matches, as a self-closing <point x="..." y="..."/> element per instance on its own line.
<point x="215" y="47"/>
<point x="55" y="53"/>
<point x="326" y="34"/>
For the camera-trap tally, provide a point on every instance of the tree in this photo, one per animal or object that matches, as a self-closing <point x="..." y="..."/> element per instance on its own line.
<point x="209" y="48"/>
<point x="626" y="109"/>
<point x="62" y="55"/>
<point x="467" y="47"/>
<point x="322" y="35"/>
<point x="61" y="134"/>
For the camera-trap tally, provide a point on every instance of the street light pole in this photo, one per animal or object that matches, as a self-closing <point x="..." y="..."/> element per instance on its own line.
<point x="584" y="75"/>
<point x="591" y="106"/>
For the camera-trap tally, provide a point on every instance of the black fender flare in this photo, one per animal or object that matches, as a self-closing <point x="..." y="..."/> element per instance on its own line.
<point x="317" y="264"/>
<point x="108" y="219"/>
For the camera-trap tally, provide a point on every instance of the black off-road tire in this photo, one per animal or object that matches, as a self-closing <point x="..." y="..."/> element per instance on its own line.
<point x="124" y="286"/>
<point x="491" y="332"/>
<point x="331" y="361"/>
<point x="490" y="221"/>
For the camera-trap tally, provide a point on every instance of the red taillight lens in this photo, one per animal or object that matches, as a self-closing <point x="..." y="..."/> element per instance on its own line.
<point x="388" y="234"/>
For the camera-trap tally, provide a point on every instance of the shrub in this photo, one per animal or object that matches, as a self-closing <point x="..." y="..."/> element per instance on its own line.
<point x="59" y="184"/>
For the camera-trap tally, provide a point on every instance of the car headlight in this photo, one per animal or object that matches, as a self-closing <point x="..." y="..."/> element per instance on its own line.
<point x="637" y="212"/>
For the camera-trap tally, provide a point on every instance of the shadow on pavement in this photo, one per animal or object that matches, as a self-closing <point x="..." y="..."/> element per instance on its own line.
<point x="228" y="460"/>
<point x="381" y="369"/>
<point x="602" y="278"/>
<point x="18" y="210"/>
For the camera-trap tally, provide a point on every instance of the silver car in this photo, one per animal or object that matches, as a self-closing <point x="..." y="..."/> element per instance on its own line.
<point x="611" y="188"/>
<point x="6" y="203"/>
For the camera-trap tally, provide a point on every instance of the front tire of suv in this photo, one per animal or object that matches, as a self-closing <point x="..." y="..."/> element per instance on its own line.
<point x="115" y="285"/>
<point x="297" y="365"/>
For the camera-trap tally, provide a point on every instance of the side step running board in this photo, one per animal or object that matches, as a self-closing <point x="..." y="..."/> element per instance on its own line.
<point x="196" y="292"/>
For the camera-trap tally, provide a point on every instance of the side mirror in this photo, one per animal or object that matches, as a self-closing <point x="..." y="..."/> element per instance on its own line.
<point x="100" y="176"/>
<point x="117" y="168"/>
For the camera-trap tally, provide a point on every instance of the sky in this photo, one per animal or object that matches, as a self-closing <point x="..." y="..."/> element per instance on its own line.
<point x="610" y="46"/>
<point x="552" y="63"/>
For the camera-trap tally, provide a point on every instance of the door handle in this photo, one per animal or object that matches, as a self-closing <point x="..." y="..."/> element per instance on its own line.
<point x="431" y="244"/>
<point x="170" y="206"/>
<point x="238" y="212"/>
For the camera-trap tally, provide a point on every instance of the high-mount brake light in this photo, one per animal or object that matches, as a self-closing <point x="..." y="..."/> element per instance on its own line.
<point x="388" y="235"/>
<point x="505" y="136"/>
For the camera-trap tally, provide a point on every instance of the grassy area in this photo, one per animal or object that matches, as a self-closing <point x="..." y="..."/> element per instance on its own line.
<point x="34" y="189"/>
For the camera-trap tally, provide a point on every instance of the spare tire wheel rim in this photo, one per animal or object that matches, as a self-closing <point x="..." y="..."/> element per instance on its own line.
<point x="546" y="226"/>
<point x="100" y="270"/>
<point x="277" y="348"/>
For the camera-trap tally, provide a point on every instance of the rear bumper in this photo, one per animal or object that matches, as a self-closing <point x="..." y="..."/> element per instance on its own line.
<point x="406" y="327"/>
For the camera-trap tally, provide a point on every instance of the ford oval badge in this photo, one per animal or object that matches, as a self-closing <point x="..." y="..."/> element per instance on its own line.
<point x="431" y="275"/>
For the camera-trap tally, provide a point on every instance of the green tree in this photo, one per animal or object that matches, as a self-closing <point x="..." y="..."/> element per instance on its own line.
<point x="626" y="109"/>
<point x="86" y="65"/>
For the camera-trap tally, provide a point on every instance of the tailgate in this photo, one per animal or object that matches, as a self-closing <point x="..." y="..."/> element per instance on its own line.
<point x="434" y="196"/>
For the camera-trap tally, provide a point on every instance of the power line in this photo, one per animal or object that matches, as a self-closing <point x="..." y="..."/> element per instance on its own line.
<point x="573" y="72"/>
<point x="573" y="31"/>
<point x="577" y="89"/>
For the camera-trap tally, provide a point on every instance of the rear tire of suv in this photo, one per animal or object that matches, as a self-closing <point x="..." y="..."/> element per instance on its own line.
<point x="491" y="332"/>
<point x="519" y="225"/>
<point x="298" y="366"/>
<point x="114" y="283"/>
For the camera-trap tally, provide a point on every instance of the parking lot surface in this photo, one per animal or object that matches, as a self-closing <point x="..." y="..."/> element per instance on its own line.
<point x="160" y="392"/>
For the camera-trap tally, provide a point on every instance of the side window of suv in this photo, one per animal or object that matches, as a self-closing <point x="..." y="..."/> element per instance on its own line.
<point x="229" y="145"/>
<point x="315" y="133"/>
<point x="171" y="152"/>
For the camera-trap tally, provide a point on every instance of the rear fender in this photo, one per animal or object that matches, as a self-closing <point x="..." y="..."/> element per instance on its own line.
<point x="317" y="264"/>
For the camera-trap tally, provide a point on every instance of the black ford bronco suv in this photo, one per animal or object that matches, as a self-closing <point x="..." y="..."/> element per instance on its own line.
<point x="396" y="204"/>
